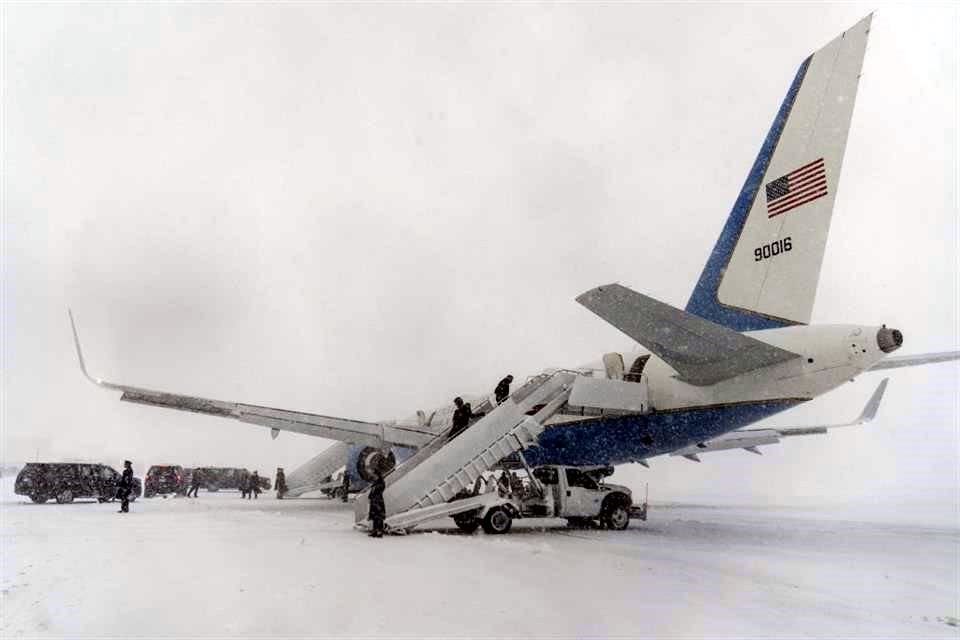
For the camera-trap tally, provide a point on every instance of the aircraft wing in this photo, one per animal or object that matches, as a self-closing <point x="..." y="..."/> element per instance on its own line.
<point x="750" y="439"/>
<point x="342" y="429"/>
<point x="702" y="352"/>
<point x="912" y="361"/>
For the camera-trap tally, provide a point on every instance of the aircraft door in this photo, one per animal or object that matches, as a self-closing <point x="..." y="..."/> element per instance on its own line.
<point x="613" y="364"/>
<point x="550" y="480"/>
<point x="582" y="495"/>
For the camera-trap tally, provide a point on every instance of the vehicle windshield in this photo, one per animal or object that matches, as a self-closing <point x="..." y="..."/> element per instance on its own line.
<point x="161" y="471"/>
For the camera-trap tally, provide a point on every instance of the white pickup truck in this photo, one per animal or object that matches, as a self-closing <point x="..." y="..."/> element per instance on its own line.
<point x="575" y="493"/>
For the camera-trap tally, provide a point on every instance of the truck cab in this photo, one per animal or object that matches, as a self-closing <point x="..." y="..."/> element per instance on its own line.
<point x="577" y="494"/>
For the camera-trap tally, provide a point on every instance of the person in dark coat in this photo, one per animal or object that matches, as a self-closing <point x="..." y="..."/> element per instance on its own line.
<point x="378" y="510"/>
<point x="253" y="490"/>
<point x="461" y="417"/>
<point x="125" y="486"/>
<point x="503" y="484"/>
<point x="195" y="478"/>
<point x="345" y="487"/>
<point x="502" y="392"/>
<point x="280" y="484"/>
<point x="244" y="484"/>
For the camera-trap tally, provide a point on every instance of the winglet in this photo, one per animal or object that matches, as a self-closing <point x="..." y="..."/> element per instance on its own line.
<point x="870" y="411"/>
<point x="83" y="364"/>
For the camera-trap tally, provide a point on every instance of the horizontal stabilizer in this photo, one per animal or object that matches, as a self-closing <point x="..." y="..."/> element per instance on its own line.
<point x="701" y="351"/>
<point x="912" y="361"/>
<point x="749" y="439"/>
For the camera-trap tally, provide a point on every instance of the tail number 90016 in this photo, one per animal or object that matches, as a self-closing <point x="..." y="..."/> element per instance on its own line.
<point x="773" y="249"/>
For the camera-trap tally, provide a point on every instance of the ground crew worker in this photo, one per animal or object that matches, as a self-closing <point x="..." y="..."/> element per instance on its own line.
<point x="345" y="487"/>
<point x="503" y="389"/>
<point x="125" y="487"/>
<point x="244" y="484"/>
<point x="280" y="484"/>
<point x="461" y="417"/>
<point x="503" y="484"/>
<point x="253" y="490"/>
<point x="194" y="483"/>
<point x="378" y="510"/>
<point x="516" y="486"/>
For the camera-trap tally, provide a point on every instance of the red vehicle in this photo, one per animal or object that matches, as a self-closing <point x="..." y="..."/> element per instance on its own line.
<point x="164" y="479"/>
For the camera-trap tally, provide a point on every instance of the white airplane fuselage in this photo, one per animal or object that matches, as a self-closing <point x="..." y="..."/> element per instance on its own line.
<point x="829" y="356"/>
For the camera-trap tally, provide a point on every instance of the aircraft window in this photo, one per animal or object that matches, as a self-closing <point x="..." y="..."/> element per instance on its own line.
<point x="636" y="370"/>
<point x="577" y="479"/>
<point x="546" y="475"/>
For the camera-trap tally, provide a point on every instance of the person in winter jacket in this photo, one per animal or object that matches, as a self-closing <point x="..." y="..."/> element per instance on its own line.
<point x="461" y="417"/>
<point x="280" y="484"/>
<point x="378" y="510"/>
<point x="125" y="486"/>
<point x="253" y="489"/>
<point x="244" y="484"/>
<point x="195" y="483"/>
<point x="502" y="392"/>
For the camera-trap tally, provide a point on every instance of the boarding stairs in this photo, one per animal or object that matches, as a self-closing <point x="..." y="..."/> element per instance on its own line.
<point x="422" y="487"/>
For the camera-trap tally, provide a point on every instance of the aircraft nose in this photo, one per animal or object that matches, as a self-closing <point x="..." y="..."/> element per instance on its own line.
<point x="889" y="340"/>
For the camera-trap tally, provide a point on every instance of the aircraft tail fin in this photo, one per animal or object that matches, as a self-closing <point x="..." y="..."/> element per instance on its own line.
<point x="764" y="269"/>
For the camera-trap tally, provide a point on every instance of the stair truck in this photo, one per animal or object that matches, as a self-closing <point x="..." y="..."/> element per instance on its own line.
<point x="577" y="494"/>
<point x="445" y="476"/>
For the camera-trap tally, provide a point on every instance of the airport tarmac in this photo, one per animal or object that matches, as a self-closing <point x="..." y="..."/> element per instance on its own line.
<point x="220" y="566"/>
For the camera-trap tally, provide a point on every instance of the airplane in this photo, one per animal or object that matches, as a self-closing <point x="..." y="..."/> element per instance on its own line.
<point x="741" y="351"/>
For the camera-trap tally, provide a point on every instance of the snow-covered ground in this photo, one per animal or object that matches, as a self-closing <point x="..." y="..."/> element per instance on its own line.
<point x="222" y="566"/>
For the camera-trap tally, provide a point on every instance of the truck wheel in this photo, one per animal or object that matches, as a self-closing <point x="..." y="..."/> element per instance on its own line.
<point x="65" y="497"/>
<point x="497" y="520"/>
<point x="467" y="522"/>
<point x="38" y="498"/>
<point x="615" y="516"/>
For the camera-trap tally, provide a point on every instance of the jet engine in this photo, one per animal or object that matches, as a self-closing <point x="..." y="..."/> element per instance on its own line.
<point x="371" y="459"/>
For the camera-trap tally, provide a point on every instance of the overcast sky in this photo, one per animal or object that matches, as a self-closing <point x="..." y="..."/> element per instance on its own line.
<point x="365" y="210"/>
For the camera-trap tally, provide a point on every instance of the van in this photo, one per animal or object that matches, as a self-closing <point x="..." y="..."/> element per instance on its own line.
<point x="66" y="481"/>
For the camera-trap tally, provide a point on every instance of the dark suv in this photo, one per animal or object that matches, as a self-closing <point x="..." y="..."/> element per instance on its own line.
<point x="162" y="479"/>
<point x="66" y="481"/>
<point x="216" y="478"/>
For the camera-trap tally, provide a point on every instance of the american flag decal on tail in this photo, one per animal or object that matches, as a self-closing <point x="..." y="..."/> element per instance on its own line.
<point x="798" y="187"/>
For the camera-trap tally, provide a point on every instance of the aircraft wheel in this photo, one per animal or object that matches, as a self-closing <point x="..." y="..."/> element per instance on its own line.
<point x="497" y="520"/>
<point x="616" y="516"/>
<point x="39" y="499"/>
<point x="65" y="497"/>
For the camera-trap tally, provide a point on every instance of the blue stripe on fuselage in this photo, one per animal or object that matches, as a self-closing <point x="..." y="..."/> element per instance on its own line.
<point x="703" y="301"/>
<point x="620" y="439"/>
